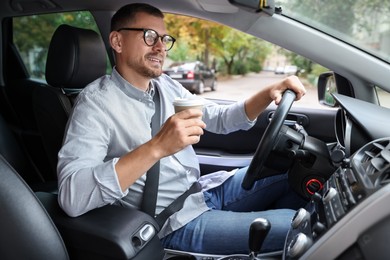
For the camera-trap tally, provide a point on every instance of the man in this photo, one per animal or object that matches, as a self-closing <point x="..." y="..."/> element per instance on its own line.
<point x="108" y="147"/>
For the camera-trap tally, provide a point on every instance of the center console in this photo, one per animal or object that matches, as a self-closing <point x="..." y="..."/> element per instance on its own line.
<point x="350" y="217"/>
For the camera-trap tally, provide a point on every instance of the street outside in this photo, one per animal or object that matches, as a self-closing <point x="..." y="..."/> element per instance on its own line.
<point x="241" y="87"/>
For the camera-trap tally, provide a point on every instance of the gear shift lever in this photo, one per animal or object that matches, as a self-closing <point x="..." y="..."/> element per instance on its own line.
<point x="257" y="233"/>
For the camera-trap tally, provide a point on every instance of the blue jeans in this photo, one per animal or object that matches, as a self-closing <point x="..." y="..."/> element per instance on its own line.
<point x="225" y="228"/>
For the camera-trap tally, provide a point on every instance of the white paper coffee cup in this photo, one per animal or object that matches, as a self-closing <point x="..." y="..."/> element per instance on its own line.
<point x="181" y="104"/>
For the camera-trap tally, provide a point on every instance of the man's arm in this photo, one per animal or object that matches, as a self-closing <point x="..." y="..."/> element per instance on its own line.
<point x="259" y="101"/>
<point x="180" y="130"/>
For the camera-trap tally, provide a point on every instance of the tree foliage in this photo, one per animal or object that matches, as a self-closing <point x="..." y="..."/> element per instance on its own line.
<point x="232" y="51"/>
<point x="32" y="35"/>
<point x="215" y="44"/>
<point x="346" y="18"/>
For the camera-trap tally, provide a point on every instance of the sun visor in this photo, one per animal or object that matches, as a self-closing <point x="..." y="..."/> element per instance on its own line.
<point x="218" y="6"/>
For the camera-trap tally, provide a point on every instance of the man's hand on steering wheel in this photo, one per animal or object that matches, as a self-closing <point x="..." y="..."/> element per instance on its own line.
<point x="291" y="82"/>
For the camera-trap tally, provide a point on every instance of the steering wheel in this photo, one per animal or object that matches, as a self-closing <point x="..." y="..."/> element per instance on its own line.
<point x="268" y="140"/>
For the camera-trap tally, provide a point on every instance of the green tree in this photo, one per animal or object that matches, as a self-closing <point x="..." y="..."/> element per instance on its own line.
<point x="378" y="10"/>
<point x="240" y="52"/>
<point x="32" y="35"/>
<point x="181" y="52"/>
<point x="192" y="33"/>
<point x="205" y="40"/>
<point x="328" y="12"/>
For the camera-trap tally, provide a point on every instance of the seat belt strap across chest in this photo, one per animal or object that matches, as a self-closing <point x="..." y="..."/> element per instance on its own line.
<point x="149" y="199"/>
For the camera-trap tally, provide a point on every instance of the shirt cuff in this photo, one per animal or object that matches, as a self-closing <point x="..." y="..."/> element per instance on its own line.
<point x="241" y="104"/>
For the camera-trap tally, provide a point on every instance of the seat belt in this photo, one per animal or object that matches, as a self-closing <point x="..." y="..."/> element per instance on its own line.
<point x="149" y="199"/>
<point x="177" y="204"/>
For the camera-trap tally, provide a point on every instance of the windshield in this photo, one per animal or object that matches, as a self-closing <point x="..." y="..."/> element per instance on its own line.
<point x="362" y="23"/>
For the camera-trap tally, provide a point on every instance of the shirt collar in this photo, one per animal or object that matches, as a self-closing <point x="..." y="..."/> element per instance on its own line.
<point x="129" y="89"/>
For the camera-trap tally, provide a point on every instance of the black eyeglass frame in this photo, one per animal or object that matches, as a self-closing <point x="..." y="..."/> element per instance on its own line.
<point x="145" y="30"/>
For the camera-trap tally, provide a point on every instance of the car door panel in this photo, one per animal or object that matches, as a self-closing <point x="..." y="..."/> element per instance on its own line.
<point x="234" y="150"/>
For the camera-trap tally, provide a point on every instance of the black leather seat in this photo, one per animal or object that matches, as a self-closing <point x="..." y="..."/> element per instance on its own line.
<point x="75" y="58"/>
<point x="27" y="231"/>
<point x="17" y="156"/>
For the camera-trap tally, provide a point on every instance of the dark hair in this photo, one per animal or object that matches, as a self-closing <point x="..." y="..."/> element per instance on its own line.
<point x="126" y="14"/>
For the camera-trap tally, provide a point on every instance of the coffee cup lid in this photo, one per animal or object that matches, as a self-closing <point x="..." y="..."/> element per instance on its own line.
<point x="188" y="102"/>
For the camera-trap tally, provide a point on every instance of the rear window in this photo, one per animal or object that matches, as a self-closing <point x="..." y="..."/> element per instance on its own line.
<point x="32" y="35"/>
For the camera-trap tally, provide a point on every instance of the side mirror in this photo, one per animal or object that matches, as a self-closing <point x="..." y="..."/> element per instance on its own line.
<point x="326" y="87"/>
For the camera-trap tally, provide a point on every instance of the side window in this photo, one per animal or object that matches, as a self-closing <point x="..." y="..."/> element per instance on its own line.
<point x="243" y="63"/>
<point x="32" y="35"/>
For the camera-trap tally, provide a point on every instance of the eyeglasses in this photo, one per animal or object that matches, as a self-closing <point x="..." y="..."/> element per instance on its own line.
<point x="151" y="37"/>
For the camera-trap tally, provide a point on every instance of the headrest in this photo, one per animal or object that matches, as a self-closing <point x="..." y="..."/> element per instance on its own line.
<point x="76" y="57"/>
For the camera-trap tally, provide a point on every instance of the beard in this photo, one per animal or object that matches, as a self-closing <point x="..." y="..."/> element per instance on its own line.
<point x="150" y="73"/>
<point x="143" y="69"/>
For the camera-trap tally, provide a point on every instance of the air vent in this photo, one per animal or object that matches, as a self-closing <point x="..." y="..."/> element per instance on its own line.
<point x="376" y="162"/>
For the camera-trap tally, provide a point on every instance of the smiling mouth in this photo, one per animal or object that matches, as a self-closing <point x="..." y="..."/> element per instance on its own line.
<point x="156" y="63"/>
<point x="154" y="60"/>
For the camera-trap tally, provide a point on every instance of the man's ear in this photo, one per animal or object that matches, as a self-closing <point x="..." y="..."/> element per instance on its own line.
<point x="116" y="41"/>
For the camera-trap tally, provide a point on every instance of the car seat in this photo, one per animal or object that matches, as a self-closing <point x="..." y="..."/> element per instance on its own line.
<point x="27" y="231"/>
<point x="16" y="155"/>
<point x="75" y="58"/>
<point x="33" y="226"/>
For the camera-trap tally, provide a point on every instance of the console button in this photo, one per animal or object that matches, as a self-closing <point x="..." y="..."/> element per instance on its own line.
<point x="330" y="218"/>
<point x="318" y="229"/>
<point x="329" y="195"/>
<point x="298" y="245"/>
<point x="301" y="216"/>
<point x="338" y="209"/>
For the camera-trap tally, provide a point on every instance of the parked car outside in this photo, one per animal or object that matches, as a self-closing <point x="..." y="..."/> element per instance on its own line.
<point x="279" y="70"/>
<point x="194" y="76"/>
<point x="290" y="70"/>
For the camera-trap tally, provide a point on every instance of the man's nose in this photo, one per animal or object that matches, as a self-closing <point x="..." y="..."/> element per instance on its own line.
<point x="159" y="44"/>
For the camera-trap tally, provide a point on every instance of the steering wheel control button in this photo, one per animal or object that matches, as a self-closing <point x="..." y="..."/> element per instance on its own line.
<point x="313" y="186"/>
<point x="301" y="216"/>
<point x="298" y="245"/>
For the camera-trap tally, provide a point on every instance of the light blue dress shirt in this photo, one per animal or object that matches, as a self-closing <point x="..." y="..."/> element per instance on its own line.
<point x="111" y="118"/>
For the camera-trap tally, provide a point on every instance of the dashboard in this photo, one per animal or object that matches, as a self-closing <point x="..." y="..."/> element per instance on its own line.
<point x="359" y="122"/>
<point x="350" y="217"/>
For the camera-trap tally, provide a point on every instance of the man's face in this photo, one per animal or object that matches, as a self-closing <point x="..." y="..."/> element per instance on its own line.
<point x="147" y="61"/>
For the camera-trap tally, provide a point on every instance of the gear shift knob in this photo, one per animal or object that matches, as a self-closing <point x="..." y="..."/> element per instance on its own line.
<point x="257" y="234"/>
